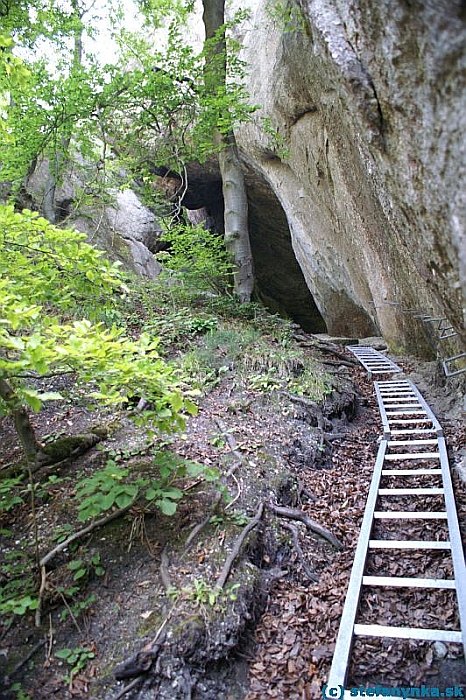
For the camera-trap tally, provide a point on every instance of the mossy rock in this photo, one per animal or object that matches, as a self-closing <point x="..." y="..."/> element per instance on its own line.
<point x="71" y="446"/>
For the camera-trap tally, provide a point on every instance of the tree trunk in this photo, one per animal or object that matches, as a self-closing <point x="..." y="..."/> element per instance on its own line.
<point x="234" y="190"/>
<point x="21" y="421"/>
<point x="48" y="209"/>
<point x="236" y="220"/>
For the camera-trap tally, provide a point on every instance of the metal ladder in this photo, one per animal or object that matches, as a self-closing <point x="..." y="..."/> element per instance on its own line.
<point x="412" y="445"/>
<point x="373" y="361"/>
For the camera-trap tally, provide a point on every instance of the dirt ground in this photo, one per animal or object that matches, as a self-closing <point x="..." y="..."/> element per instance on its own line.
<point x="155" y="625"/>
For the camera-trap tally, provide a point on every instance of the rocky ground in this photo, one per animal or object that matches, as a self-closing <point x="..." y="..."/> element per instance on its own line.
<point x="148" y="619"/>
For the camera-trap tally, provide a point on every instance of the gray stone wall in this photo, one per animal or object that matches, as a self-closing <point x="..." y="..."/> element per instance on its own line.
<point x="368" y="103"/>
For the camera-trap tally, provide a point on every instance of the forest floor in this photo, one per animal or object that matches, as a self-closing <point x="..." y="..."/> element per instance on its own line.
<point x="133" y="608"/>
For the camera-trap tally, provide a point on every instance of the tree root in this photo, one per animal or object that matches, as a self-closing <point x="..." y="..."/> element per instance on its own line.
<point x="89" y="528"/>
<point x="226" y="570"/>
<point x="315" y="408"/>
<point x="164" y="565"/>
<point x="317" y="344"/>
<point x="7" y="679"/>
<point x="294" y="532"/>
<point x="141" y="662"/>
<point x="312" y="525"/>
<point x="218" y="495"/>
<point x="60" y="547"/>
<point x="136" y="681"/>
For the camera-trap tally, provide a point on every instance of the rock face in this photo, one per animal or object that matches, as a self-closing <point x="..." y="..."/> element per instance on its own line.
<point x="365" y="151"/>
<point x="131" y="234"/>
<point x="124" y="228"/>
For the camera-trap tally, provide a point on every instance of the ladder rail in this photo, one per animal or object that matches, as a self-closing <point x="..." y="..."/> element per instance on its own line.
<point x="401" y="395"/>
<point x="345" y="637"/>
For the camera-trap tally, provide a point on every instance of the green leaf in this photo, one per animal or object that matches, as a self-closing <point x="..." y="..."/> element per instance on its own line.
<point x="79" y="574"/>
<point x="167" y="507"/>
<point x="151" y="494"/>
<point x="123" y="500"/>
<point x="63" y="653"/>
<point x="32" y="399"/>
<point x="190" y="407"/>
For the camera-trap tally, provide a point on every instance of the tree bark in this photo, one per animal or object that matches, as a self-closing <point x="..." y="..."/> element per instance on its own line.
<point x="237" y="240"/>
<point x="21" y="421"/>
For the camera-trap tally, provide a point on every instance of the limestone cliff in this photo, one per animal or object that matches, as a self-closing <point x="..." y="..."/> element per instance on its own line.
<point x="365" y="151"/>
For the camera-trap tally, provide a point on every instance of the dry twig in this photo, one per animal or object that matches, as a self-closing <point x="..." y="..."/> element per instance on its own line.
<point x="164" y="564"/>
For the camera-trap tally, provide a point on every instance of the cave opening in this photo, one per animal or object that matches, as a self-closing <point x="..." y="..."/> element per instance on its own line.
<point x="280" y="283"/>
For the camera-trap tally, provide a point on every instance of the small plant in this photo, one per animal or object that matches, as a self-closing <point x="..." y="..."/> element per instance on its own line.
<point x="17" y="588"/>
<point x="312" y="383"/>
<point x="287" y="16"/>
<point x="202" y="594"/>
<point x="20" y="694"/>
<point x="198" y="256"/>
<point x="77" y="658"/>
<point x="237" y="518"/>
<point x="277" y="146"/>
<point x="74" y="607"/>
<point x="105" y="489"/>
<point x="61" y="532"/>
<point x="9" y="497"/>
<point x="114" y="486"/>
<point x="83" y="568"/>
<point x="268" y="381"/>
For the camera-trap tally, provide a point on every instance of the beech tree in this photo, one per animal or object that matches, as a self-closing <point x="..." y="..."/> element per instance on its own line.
<point x="48" y="277"/>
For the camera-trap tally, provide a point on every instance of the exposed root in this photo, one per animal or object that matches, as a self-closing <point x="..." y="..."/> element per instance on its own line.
<point x="89" y="528"/>
<point x="127" y="688"/>
<point x="164" y="565"/>
<point x="7" y="679"/>
<point x="312" y="525"/>
<point x="224" y="574"/>
<point x="294" y="532"/>
<point x="315" y="408"/>
<point x="141" y="661"/>
<point x="317" y="344"/>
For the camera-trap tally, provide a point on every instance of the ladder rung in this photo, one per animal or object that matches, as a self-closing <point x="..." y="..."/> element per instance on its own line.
<point x="392" y="403"/>
<point x="409" y="544"/>
<point x="402" y="582"/>
<point x="413" y="431"/>
<point x="433" y="491"/>
<point x="405" y="411"/>
<point x="409" y="472"/>
<point x="408" y="633"/>
<point x="412" y="455"/>
<point x="388" y="386"/>
<point x="412" y="442"/>
<point x="404" y="421"/>
<point x="410" y="515"/>
<point x="399" y="391"/>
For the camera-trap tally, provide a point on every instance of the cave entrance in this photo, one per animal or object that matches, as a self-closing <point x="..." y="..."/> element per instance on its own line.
<point x="280" y="283"/>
